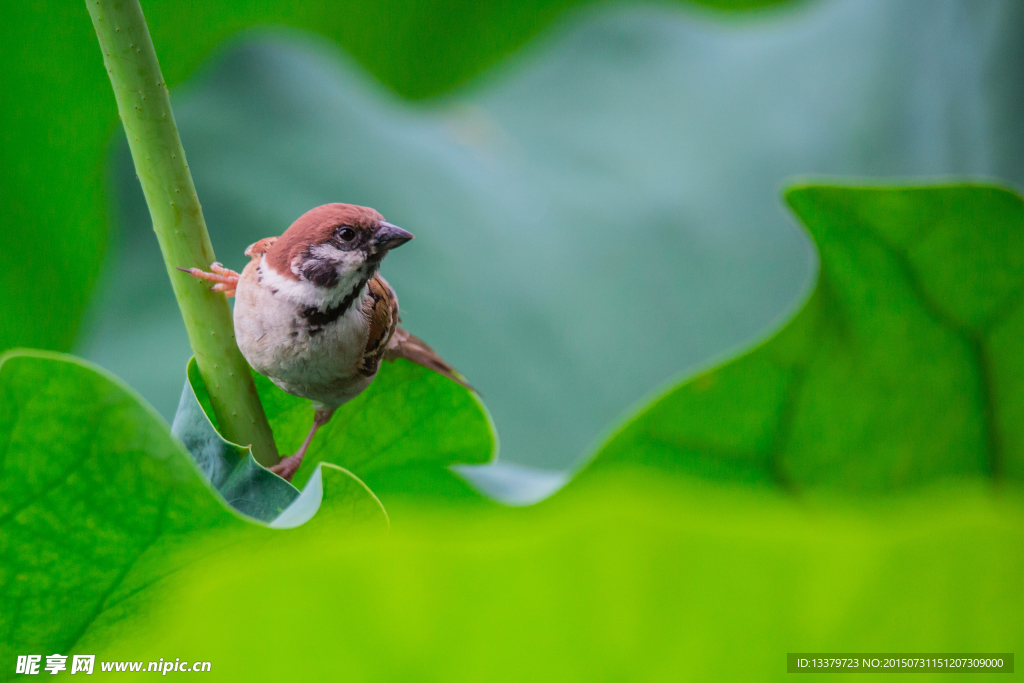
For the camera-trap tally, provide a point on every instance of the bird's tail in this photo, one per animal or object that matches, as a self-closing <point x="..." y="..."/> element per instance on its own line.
<point x="412" y="348"/>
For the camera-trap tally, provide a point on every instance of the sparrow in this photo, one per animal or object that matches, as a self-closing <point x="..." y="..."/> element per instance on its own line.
<point x="313" y="314"/>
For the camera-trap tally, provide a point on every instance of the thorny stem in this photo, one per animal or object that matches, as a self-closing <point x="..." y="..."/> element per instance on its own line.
<point x="145" y="108"/>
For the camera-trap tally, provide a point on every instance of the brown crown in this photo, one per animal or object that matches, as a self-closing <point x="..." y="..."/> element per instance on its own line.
<point x="316" y="226"/>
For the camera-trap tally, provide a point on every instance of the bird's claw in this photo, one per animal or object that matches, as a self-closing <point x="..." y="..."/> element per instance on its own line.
<point x="226" y="279"/>
<point x="287" y="468"/>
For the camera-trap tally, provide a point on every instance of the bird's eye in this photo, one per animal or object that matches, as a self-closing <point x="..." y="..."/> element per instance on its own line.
<point x="347" y="234"/>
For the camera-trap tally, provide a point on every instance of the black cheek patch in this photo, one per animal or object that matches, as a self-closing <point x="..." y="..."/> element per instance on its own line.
<point x="320" y="273"/>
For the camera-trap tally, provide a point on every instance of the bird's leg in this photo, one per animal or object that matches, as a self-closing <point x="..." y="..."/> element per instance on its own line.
<point x="226" y="279"/>
<point x="288" y="466"/>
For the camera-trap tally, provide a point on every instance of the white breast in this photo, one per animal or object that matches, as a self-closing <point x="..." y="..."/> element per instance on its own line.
<point x="321" y="364"/>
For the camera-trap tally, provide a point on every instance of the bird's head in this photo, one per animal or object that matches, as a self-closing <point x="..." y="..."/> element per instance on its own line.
<point x="329" y="251"/>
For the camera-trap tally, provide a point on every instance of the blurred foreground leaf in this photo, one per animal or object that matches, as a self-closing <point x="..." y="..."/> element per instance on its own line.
<point x="904" y="365"/>
<point x="634" y="580"/>
<point x="99" y="505"/>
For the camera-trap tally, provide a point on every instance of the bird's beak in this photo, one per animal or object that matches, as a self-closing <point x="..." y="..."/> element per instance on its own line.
<point x="390" y="236"/>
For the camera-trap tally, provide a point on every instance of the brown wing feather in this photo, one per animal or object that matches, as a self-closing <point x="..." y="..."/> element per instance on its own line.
<point x="256" y="248"/>
<point x="388" y="341"/>
<point x="409" y="346"/>
<point x="381" y="309"/>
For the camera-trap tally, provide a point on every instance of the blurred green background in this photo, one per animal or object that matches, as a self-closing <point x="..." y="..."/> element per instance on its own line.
<point x="594" y="189"/>
<point x="596" y="194"/>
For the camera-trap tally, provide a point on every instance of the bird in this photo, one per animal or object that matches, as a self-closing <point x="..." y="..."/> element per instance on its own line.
<point x="313" y="314"/>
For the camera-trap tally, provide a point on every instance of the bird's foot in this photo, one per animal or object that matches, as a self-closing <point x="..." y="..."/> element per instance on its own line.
<point x="226" y="279"/>
<point x="287" y="468"/>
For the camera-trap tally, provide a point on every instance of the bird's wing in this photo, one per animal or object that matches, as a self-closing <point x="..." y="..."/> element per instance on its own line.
<point x="388" y="341"/>
<point x="381" y="310"/>
<point x="257" y="248"/>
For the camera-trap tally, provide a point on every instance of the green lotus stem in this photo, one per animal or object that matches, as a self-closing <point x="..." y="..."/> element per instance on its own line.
<point x="145" y="108"/>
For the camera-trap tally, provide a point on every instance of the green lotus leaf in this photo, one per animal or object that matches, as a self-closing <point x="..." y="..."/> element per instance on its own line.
<point x="399" y="436"/>
<point x="100" y="504"/>
<point x="231" y="469"/>
<point x="902" y="367"/>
